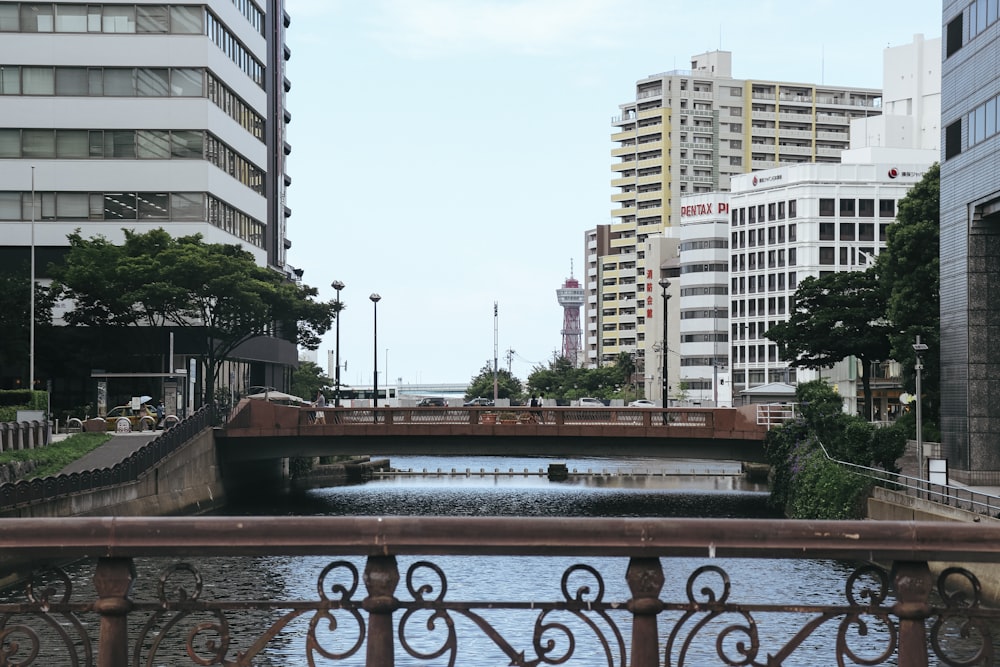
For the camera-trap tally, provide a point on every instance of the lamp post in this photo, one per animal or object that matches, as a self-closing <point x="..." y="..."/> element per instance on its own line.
<point x="375" y="299"/>
<point x="664" y="283"/>
<point x="338" y="306"/>
<point x="919" y="347"/>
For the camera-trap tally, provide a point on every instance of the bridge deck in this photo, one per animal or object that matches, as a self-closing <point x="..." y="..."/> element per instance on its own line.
<point x="261" y="430"/>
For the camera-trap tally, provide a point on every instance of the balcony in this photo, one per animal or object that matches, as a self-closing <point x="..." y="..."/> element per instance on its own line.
<point x="357" y="612"/>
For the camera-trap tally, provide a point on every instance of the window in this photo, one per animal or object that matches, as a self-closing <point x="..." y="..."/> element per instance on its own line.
<point x="847" y="208"/>
<point x="953" y="139"/>
<point x="887" y="208"/>
<point x="36" y="17"/>
<point x="866" y="208"/>
<point x="826" y="208"/>
<point x="826" y="255"/>
<point x="844" y="261"/>
<point x="10" y="143"/>
<point x="72" y="81"/>
<point x="866" y="231"/>
<point x="781" y="210"/>
<point x="953" y="36"/>
<point x="38" y="81"/>
<point x="72" y="144"/>
<point x="791" y="233"/>
<point x="71" y="18"/>
<point x="38" y="143"/>
<point x="847" y="231"/>
<point x="151" y="18"/>
<point x="118" y="18"/>
<point x="826" y="231"/>
<point x="186" y="20"/>
<point x="882" y="231"/>
<point x="9" y="20"/>
<point x="152" y="82"/>
<point x="791" y="208"/>
<point x="772" y="211"/>
<point x="791" y="256"/>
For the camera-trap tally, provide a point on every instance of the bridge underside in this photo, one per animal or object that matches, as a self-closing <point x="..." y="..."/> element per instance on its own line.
<point x="260" y="431"/>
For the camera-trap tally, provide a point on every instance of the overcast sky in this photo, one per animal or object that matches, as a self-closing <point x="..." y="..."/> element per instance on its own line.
<point x="449" y="154"/>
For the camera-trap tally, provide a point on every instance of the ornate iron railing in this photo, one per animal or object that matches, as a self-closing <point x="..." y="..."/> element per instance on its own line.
<point x="888" y="616"/>
<point x="42" y="489"/>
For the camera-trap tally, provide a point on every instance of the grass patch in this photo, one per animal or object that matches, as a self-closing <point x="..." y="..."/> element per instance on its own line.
<point x="57" y="455"/>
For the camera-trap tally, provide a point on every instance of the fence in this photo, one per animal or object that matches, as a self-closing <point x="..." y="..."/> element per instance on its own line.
<point x="887" y="616"/>
<point x="23" y="435"/>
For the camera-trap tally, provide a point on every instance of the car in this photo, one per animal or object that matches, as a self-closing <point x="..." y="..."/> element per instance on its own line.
<point x="432" y="402"/>
<point x="642" y="403"/>
<point x="143" y="419"/>
<point x="480" y="401"/>
<point x="591" y="403"/>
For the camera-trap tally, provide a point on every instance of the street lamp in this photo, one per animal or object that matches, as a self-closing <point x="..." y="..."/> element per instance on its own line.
<point x="918" y="348"/>
<point x="664" y="283"/>
<point x="338" y="306"/>
<point x="375" y="299"/>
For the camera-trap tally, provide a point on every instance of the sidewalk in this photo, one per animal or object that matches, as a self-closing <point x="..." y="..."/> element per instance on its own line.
<point x="115" y="450"/>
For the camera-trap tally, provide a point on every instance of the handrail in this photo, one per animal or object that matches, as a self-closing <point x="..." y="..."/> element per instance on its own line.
<point x="891" y="611"/>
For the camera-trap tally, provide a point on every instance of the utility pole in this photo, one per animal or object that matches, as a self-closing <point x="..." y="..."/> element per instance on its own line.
<point x="496" y="364"/>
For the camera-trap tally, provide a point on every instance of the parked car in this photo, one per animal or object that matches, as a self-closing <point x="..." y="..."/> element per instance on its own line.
<point x="480" y="401"/>
<point x="591" y="403"/>
<point x="432" y="402"/>
<point x="642" y="403"/>
<point x="143" y="419"/>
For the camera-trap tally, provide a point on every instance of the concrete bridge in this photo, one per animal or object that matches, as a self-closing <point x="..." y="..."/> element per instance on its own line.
<point x="260" y="430"/>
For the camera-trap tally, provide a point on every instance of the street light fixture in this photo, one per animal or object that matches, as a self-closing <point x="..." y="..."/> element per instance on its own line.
<point x="665" y="284"/>
<point x="338" y="306"/>
<point x="375" y="299"/>
<point x="918" y="348"/>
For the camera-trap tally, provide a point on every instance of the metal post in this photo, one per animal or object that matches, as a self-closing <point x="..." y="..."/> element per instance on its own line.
<point x="919" y="347"/>
<point x="665" y="284"/>
<point x="645" y="581"/>
<point x="381" y="578"/>
<point x="913" y="583"/>
<point x="113" y="581"/>
<point x="375" y="299"/>
<point x="338" y="308"/>
<point x="31" y="289"/>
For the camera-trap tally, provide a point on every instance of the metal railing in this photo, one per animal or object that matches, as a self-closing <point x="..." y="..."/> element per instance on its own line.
<point x="362" y="615"/>
<point x="488" y="416"/>
<point x="42" y="489"/>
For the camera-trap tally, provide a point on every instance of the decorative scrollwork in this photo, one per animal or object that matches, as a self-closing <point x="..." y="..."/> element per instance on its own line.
<point x="341" y="602"/>
<point x="10" y="646"/>
<point x="959" y="637"/>
<point x="58" y="631"/>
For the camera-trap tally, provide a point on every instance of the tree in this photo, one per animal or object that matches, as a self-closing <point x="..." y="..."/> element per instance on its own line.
<point x="562" y="380"/>
<point x="308" y="379"/>
<point x="508" y="386"/>
<point x="909" y="271"/>
<point x="15" y="334"/>
<point x="836" y="316"/>
<point x="154" y="279"/>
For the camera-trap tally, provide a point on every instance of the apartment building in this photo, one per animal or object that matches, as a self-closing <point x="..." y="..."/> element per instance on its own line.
<point x="141" y="116"/>
<point x="691" y="131"/>
<point x="970" y="240"/>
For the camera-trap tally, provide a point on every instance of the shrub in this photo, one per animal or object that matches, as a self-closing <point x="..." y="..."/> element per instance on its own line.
<point x="822" y="489"/>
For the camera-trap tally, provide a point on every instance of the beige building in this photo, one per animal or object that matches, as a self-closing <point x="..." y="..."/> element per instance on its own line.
<point x="690" y="131"/>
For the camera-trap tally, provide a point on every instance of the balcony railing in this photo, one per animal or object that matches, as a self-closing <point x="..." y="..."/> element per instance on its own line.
<point x="362" y="616"/>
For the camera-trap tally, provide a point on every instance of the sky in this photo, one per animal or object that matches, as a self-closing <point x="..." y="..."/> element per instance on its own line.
<point x="450" y="155"/>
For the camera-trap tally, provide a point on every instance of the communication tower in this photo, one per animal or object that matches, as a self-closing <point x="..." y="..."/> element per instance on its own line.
<point x="571" y="297"/>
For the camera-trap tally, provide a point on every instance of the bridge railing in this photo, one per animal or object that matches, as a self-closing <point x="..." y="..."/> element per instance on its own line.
<point x="553" y="416"/>
<point x="359" y="613"/>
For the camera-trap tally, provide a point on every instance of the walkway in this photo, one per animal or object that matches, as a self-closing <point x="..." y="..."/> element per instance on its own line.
<point x="115" y="450"/>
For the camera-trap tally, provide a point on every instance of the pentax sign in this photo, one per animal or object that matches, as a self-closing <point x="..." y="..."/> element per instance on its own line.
<point x="711" y="208"/>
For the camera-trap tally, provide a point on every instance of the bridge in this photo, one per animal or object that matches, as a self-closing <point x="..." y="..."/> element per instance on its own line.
<point x="260" y="430"/>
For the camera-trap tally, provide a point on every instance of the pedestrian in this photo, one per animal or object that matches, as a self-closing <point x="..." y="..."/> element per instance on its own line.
<point x="320" y="402"/>
<point x="159" y="413"/>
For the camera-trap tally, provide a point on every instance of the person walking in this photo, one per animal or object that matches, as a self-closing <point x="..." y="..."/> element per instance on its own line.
<point x="320" y="402"/>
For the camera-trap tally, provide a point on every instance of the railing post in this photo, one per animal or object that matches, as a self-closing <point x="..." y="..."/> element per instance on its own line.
<point x="645" y="581"/>
<point x="113" y="580"/>
<point x="912" y="580"/>
<point x="381" y="578"/>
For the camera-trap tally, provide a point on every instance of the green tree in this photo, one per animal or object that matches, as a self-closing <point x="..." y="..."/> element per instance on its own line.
<point x="154" y="279"/>
<point x="508" y="386"/>
<point x="836" y="316"/>
<point x="307" y="379"/>
<point x="15" y="308"/>
<point x="909" y="272"/>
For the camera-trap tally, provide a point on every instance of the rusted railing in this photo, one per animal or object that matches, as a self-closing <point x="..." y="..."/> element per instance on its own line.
<point x="890" y="611"/>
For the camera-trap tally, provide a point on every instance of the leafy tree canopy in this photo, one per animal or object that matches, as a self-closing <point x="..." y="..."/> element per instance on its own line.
<point x="562" y="380"/>
<point x="307" y="379"/>
<point x="156" y="279"/>
<point x="508" y="386"/>
<point x="836" y="316"/>
<point x="15" y="307"/>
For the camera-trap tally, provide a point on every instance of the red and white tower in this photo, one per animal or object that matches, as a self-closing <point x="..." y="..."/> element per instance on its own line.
<point x="571" y="297"/>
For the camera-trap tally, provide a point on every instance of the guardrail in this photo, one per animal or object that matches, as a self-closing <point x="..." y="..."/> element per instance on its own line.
<point x="887" y="616"/>
<point x="697" y="417"/>
<point x="43" y="489"/>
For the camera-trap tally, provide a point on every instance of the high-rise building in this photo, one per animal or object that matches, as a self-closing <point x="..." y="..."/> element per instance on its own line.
<point x="145" y="116"/>
<point x="970" y="241"/>
<point x="691" y="131"/>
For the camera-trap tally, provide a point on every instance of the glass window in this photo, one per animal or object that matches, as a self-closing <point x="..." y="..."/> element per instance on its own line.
<point x="187" y="144"/>
<point x="96" y="143"/>
<point x="10" y="205"/>
<point x="118" y="18"/>
<point x="10" y="80"/>
<point x="847" y="208"/>
<point x="71" y="18"/>
<point x="36" y="17"/>
<point x="151" y="18"/>
<point x="31" y="207"/>
<point x="119" y="82"/>
<point x="887" y="208"/>
<point x="119" y="206"/>
<point x="153" y="205"/>
<point x="9" y="21"/>
<point x="826" y="208"/>
<point x="826" y="255"/>
<point x="38" y="143"/>
<point x="10" y="143"/>
<point x="791" y="208"/>
<point x="73" y="144"/>
<point x="991" y="117"/>
<point x="154" y="144"/>
<point x="187" y="206"/>
<point x="866" y="231"/>
<point x="826" y="232"/>
<point x="119" y="144"/>
<point x="93" y="18"/>
<point x="186" y="20"/>
<point x="847" y="231"/>
<point x="187" y="82"/>
<point x="152" y="82"/>
<point x="72" y="81"/>
<point x="38" y="80"/>
<point x="866" y="208"/>
<point x="72" y="205"/>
